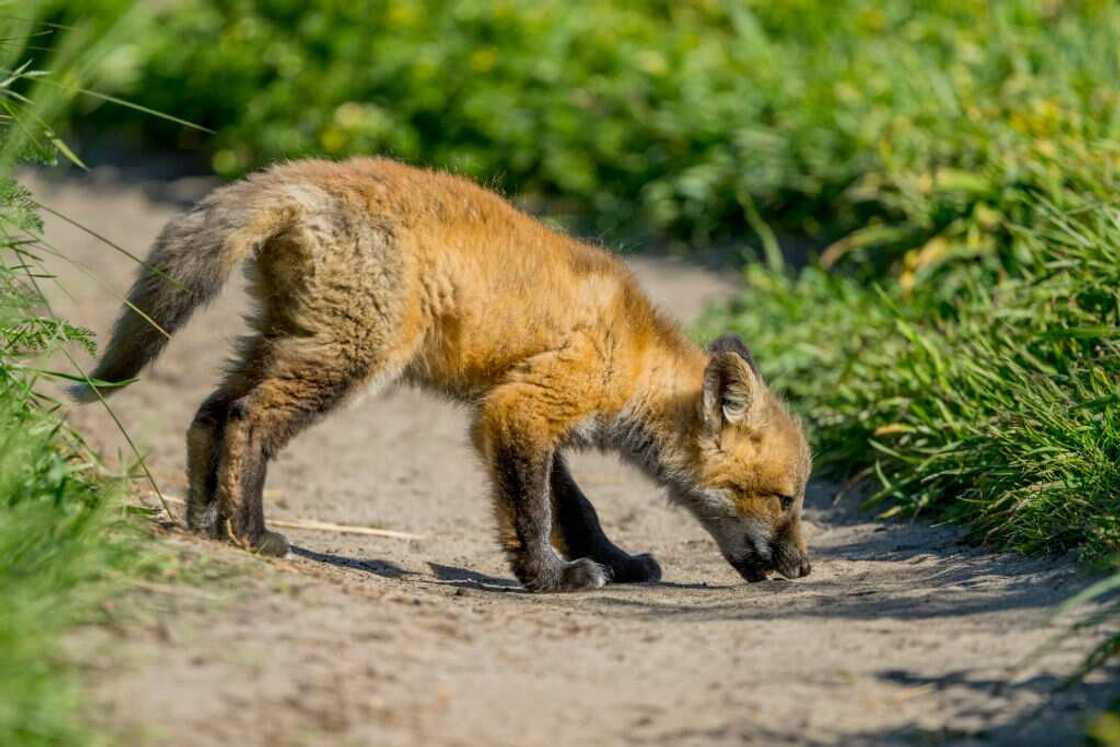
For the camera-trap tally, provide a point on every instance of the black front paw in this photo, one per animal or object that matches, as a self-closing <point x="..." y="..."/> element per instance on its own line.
<point x="635" y="569"/>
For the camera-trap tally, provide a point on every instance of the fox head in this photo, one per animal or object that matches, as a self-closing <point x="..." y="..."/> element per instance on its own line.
<point x="751" y="463"/>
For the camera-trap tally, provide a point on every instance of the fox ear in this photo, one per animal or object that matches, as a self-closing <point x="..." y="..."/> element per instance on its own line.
<point x="732" y="387"/>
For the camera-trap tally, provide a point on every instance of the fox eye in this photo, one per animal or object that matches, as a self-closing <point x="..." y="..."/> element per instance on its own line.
<point x="787" y="502"/>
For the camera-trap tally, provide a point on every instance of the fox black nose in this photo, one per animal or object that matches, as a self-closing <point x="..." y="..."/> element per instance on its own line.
<point x="806" y="568"/>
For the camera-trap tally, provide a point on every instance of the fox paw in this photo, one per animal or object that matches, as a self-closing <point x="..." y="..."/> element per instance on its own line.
<point x="635" y="569"/>
<point x="577" y="575"/>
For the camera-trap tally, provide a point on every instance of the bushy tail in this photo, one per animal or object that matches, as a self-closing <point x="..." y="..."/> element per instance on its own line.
<point x="190" y="262"/>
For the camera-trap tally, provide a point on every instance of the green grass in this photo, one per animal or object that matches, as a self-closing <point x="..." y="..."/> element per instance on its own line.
<point x="67" y="542"/>
<point x="64" y="541"/>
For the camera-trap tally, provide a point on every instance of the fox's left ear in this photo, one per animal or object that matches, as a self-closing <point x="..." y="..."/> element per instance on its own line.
<point x="732" y="388"/>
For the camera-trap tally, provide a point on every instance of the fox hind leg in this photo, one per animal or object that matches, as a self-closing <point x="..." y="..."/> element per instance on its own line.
<point x="293" y="391"/>
<point x="204" y="440"/>
<point x="246" y="448"/>
<point x="578" y="530"/>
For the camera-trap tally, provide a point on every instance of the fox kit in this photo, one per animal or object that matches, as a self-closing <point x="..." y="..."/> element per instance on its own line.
<point x="370" y="271"/>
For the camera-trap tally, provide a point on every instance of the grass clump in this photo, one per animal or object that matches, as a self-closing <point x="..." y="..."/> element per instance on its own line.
<point x="64" y="544"/>
<point x="62" y="540"/>
<point x="65" y="541"/>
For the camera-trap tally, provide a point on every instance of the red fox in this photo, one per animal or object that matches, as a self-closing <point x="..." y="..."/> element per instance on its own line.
<point x="369" y="271"/>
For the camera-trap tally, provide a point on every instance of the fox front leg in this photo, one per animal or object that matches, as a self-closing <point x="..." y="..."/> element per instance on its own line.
<point x="520" y="466"/>
<point x="581" y="534"/>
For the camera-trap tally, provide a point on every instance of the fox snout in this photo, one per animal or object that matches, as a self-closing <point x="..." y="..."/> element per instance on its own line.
<point x="795" y="567"/>
<point x="788" y="560"/>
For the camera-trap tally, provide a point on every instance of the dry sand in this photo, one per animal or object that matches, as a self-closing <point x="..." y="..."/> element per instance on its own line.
<point x="902" y="634"/>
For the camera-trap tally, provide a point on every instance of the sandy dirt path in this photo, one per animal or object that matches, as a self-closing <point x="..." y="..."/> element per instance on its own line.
<point x="902" y="635"/>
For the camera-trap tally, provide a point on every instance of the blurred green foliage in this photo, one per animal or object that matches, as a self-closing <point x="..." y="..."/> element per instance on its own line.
<point x="829" y="116"/>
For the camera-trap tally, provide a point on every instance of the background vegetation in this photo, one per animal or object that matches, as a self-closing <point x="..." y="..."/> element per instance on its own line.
<point x="668" y="116"/>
